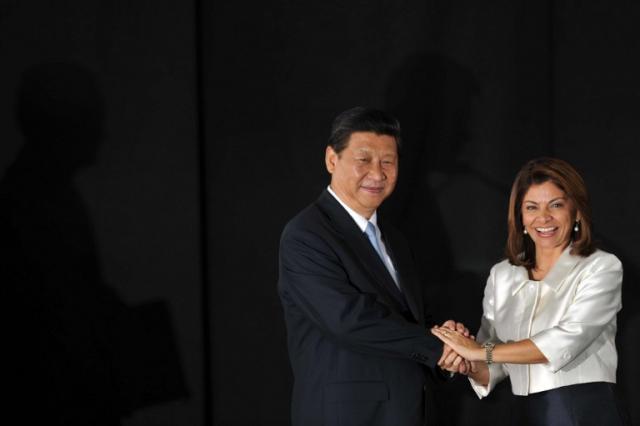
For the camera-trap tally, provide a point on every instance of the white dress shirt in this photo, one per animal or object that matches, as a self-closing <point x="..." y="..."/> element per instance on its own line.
<point x="362" y="221"/>
<point x="570" y="316"/>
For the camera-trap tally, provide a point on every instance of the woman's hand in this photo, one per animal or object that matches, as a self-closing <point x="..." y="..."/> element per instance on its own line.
<point x="466" y="347"/>
<point x="450" y="360"/>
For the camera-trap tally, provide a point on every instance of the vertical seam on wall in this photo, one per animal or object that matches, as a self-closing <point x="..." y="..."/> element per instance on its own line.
<point x="207" y="390"/>
<point x="552" y="78"/>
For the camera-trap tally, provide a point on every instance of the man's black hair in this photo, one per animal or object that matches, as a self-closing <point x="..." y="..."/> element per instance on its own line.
<point x="361" y="119"/>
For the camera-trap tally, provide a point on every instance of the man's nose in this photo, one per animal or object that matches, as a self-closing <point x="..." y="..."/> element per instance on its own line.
<point x="376" y="171"/>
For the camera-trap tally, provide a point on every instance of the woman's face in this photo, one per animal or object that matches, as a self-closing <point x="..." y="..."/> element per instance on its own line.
<point x="548" y="216"/>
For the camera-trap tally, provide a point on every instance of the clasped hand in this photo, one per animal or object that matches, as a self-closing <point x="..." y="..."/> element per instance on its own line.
<point x="460" y="350"/>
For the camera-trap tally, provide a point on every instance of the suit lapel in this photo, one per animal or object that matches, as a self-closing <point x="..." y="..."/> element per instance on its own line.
<point x="363" y="250"/>
<point x="401" y="260"/>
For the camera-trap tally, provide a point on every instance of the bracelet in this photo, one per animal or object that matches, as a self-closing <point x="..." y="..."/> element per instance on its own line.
<point x="488" y="347"/>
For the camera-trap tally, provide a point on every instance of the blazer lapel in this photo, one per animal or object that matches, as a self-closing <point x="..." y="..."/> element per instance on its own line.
<point x="363" y="250"/>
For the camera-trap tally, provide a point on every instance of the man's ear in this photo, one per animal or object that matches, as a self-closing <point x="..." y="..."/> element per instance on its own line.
<point x="330" y="159"/>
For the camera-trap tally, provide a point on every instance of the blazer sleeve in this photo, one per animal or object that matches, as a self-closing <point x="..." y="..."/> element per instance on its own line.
<point x="314" y="281"/>
<point x="595" y="305"/>
<point x="487" y="333"/>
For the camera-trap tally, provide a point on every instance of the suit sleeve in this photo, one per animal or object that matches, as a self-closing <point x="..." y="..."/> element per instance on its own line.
<point x="314" y="281"/>
<point x="487" y="333"/>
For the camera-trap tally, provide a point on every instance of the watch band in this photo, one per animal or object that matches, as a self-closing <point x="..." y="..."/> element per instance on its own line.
<point x="488" y="347"/>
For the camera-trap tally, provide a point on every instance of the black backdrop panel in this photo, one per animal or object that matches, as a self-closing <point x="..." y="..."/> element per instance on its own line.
<point x="101" y="188"/>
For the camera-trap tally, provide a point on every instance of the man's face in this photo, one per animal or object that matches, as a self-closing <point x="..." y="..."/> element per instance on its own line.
<point x="365" y="172"/>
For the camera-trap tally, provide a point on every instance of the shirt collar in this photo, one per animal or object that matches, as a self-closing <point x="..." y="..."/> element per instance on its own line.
<point x="360" y="220"/>
<point x="559" y="271"/>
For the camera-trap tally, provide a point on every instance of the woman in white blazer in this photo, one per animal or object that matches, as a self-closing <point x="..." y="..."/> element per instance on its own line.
<point x="549" y="309"/>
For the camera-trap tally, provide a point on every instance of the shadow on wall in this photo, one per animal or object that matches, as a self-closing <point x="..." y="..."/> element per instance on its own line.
<point x="432" y="96"/>
<point x="79" y="355"/>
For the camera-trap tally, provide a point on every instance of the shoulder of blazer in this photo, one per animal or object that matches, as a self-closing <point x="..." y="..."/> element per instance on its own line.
<point x="325" y="215"/>
<point x="313" y="217"/>
<point x="333" y="211"/>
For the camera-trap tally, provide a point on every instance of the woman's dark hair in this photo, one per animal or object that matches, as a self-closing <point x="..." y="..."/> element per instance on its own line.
<point x="520" y="248"/>
<point x="361" y="119"/>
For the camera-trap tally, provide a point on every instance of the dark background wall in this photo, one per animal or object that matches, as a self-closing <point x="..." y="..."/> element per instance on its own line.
<point x="167" y="209"/>
<point x="108" y="322"/>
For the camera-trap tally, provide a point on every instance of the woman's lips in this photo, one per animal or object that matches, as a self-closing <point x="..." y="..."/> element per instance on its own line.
<point x="546" y="231"/>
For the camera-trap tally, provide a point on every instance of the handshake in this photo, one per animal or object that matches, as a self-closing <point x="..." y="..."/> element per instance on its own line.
<point x="460" y="353"/>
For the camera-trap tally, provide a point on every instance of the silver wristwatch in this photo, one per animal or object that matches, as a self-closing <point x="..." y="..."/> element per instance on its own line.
<point x="488" y="347"/>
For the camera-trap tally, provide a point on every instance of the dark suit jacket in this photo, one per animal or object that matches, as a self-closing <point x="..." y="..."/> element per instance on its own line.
<point x="357" y="350"/>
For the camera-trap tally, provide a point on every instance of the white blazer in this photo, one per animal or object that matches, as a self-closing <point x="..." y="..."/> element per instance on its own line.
<point x="570" y="316"/>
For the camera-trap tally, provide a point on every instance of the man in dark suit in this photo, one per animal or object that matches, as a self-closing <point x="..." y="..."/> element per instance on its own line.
<point x="353" y="302"/>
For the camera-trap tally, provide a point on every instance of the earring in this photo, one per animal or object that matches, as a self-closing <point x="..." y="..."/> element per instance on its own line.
<point x="524" y="230"/>
<point x="576" y="228"/>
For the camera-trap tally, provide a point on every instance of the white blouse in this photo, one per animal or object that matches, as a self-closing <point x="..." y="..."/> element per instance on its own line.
<point x="570" y="316"/>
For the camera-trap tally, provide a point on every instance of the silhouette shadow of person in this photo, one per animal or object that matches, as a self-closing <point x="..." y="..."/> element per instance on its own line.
<point x="432" y="96"/>
<point x="73" y="341"/>
<point x="61" y="312"/>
